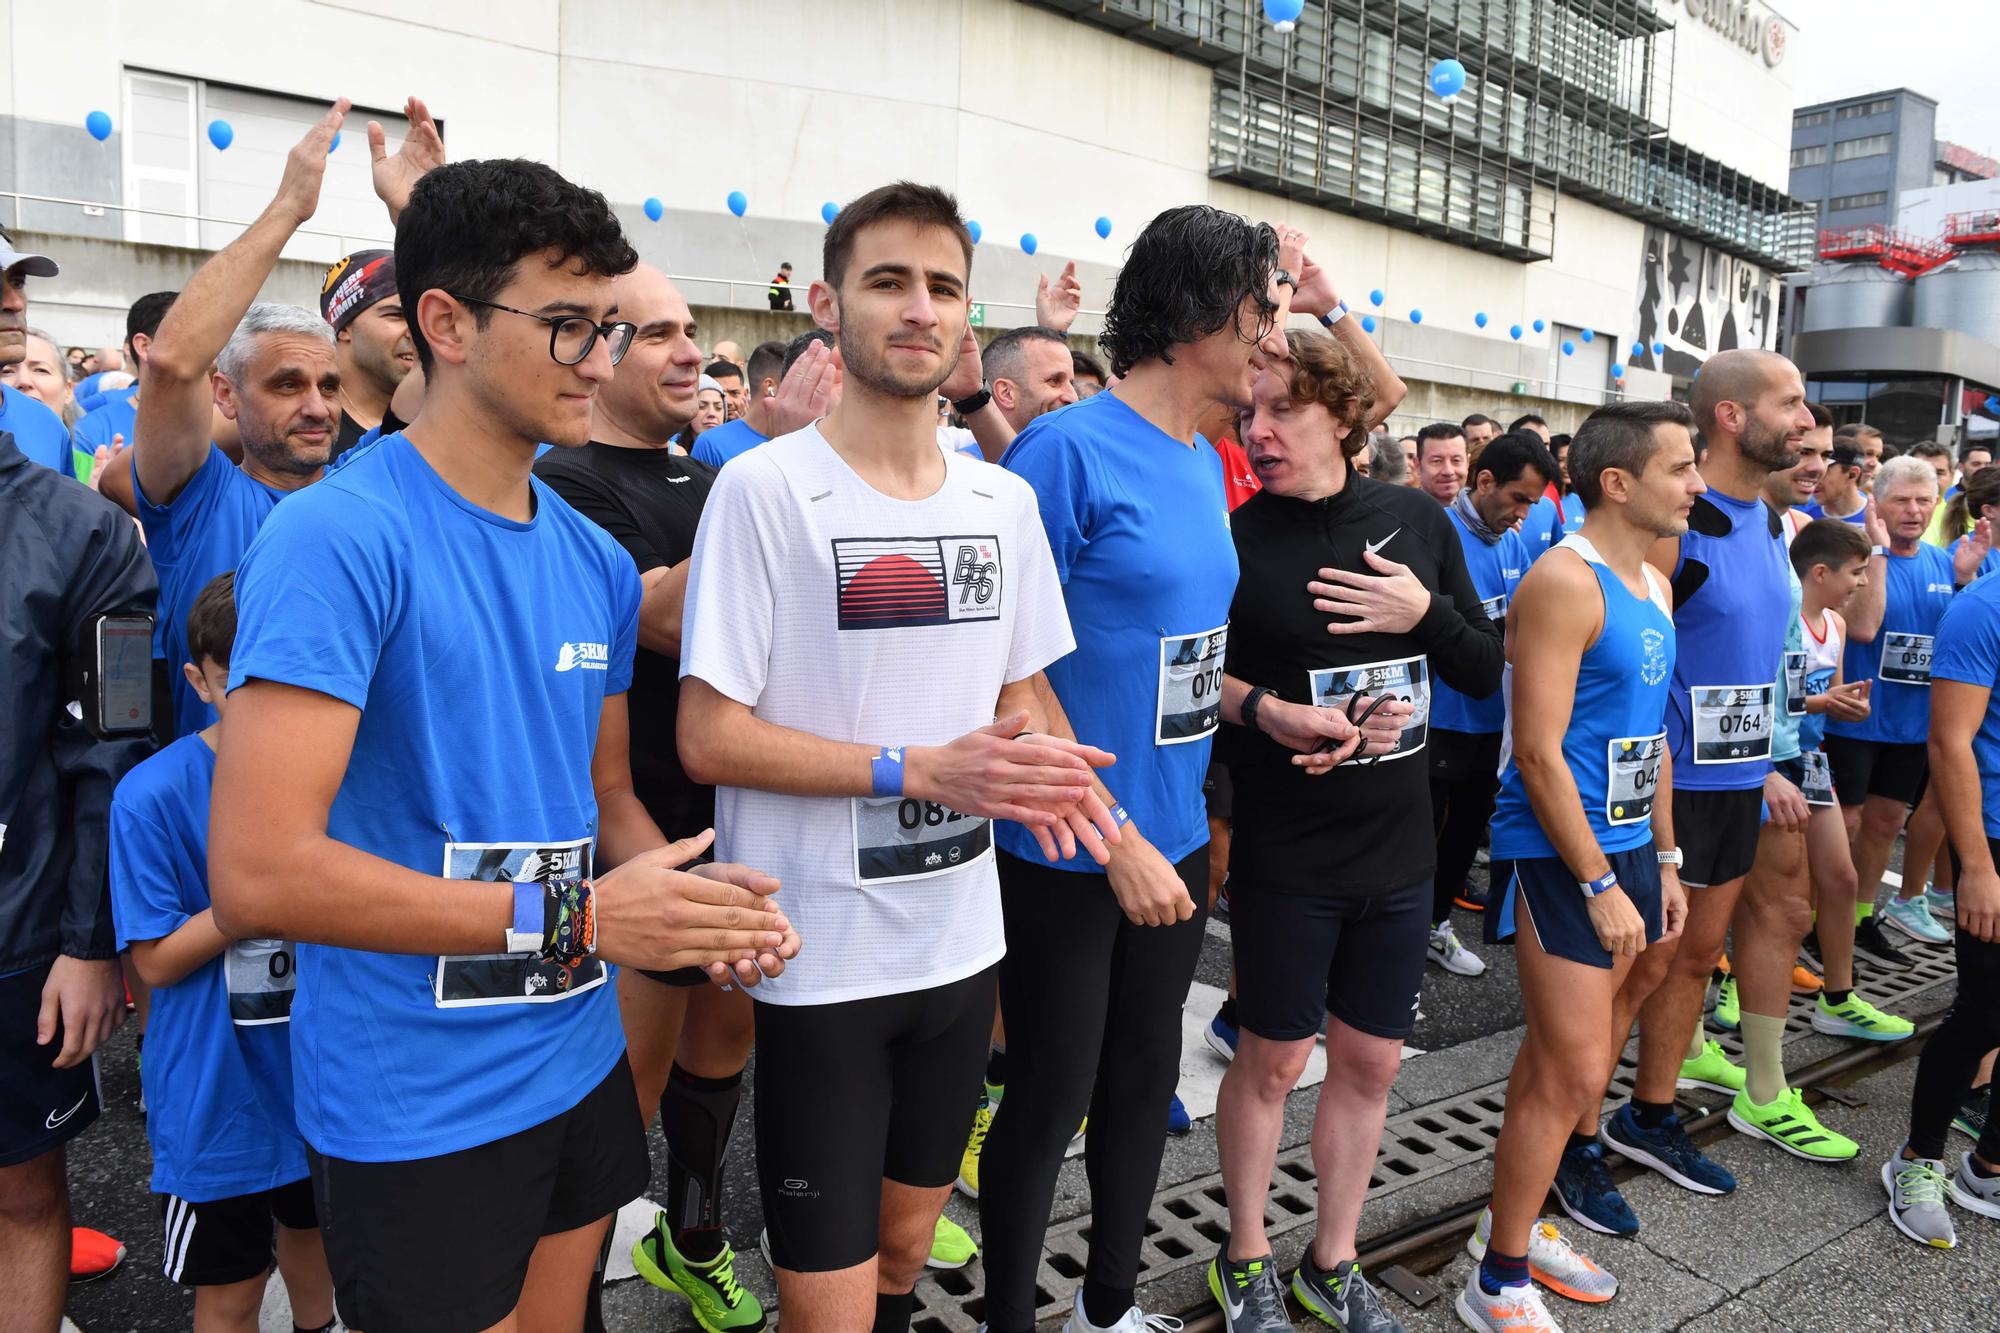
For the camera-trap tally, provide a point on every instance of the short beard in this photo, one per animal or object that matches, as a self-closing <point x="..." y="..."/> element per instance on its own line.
<point x="1767" y="449"/>
<point x="278" y="457"/>
<point x="868" y="365"/>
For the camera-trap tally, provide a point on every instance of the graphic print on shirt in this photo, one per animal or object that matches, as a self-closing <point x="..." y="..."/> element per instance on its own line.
<point x="513" y="978"/>
<point x="1407" y="679"/>
<point x="899" y="582"/>
<point x="262" y="979"/>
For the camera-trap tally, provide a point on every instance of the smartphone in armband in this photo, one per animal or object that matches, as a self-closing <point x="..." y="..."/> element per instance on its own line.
<point x="112" y="675"/>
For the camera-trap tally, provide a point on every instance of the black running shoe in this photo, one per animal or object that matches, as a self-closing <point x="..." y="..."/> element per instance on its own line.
<point x="1869" y="943"/>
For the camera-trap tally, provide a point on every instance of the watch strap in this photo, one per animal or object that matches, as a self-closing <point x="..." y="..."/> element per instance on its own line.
<point x="1672" y="856"/>
<point x="1252" y="702"/>
<point x="965" y="407"/>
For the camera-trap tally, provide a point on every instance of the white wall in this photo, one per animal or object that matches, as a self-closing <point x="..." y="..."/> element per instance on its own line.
<point x="1727" y="102"/>
<point x="1922" y="212"/>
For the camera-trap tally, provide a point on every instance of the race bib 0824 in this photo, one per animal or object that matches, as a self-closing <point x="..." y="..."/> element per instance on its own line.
<point x="897" y="837"/>
<point x="513" y="978"/>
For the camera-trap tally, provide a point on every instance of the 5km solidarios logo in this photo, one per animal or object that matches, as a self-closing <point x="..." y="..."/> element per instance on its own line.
<point x="589" y="656"/>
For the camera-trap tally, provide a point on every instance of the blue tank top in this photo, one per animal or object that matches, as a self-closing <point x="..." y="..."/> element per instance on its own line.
<point x="1496" y="570"/>
<point x="1731" y="592"/>
<point x="1792" y="691"/>
<point x="1616" y="733"/>
<point x="1899" y="658"/>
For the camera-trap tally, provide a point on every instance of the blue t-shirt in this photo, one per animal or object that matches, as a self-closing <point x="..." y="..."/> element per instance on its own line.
<point x="114" y="416"/>
<point x="87" y="387"/>
<point x="1898" y="659"/>
<point x="1986" y="566"/>
<point x="1139" y="527"/>
<point x="1548" y="522"/>
<point x="1968" y="651"/>
<point x="1859" y="518"/>
<point x="717" y="446"/>
<point x="38" y="432"/>
<point x="480" y="651"/>
<point x="202" y="533"/>
<point x="1496" y="570"/>
<point x="217" y="1072"/>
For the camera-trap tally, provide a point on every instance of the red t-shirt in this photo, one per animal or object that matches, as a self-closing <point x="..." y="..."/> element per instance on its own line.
<point x="1239" y="479"/>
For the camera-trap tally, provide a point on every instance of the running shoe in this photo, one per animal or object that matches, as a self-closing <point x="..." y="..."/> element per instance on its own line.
<point x="1728" y="1009"/>
<point x="1251" y="1294"/>
<point x="1910" y="916"/>
<point x="1342" y="1299"/>
<point x="1514" y="1310"/>
<point x="1668" y="1150"/>
<point x="1552" y="1261"/>
<point x="1972" y="1113"/>
<point x="1133" y="1320"/>
<point x="1178" y="1119"/>
<point x="1917" y="1192"/>
<point x="1471" y="897"/>
<point x="1712" y="1070"/>
<point x="92" y="1255"/>
<point x="1805" y="981"/>
<point x="1970" y="1190"/>
<point x="1943" y="903"/>
<point x="1452" y="956"/>
<point x="718" y="1302"/>
<point x="982" y="1125"/>
<point x="1584" y="1189"/>
<point x="1809" y="953"/>
<point x="1221" y="1037"/>
<point x="1221" y="908"/>
<point x="1857" y="1018"/>
<point x="951" y="1246"/>
<point x="1790" y="1123"/>
<point x="1871" y="944"/>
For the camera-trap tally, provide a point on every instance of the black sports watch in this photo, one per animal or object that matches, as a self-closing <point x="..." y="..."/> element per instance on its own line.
<point x="1283" y="278"/>
<point x="965" y="407"/>
<point x="1251" y="702"/>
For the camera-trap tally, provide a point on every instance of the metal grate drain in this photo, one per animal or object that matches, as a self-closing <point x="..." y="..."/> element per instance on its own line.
<point x="1189" y="1220"/>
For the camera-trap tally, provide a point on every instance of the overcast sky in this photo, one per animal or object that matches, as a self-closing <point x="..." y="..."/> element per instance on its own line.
<point x="1943" y="49"/>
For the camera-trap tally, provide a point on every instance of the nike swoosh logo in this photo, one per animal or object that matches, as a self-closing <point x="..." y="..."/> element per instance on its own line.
<point x="1375" y="548"/>
<point x="55" y="1119"/>
<point x="1231" y="1302"/>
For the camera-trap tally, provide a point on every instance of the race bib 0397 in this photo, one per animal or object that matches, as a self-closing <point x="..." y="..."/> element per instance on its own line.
<point x="1906" y="658"/>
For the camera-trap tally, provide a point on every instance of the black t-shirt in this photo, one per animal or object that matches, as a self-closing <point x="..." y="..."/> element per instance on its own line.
<point x="1359" y="829"/>
<point x="351" y="432"/>
<point x="650" y="501"/>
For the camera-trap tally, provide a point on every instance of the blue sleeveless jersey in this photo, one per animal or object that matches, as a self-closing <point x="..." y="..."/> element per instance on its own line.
<point x="1899" y="658"/>
<point x="1616" y="733"/>
<point x="1495" y="570"/>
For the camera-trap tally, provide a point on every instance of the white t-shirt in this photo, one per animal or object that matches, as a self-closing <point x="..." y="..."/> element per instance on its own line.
<point x="827" y="607"/>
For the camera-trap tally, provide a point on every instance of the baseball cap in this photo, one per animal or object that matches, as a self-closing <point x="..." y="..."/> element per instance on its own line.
<point x="1845" y="455"/>
<point x="36" y="266"/>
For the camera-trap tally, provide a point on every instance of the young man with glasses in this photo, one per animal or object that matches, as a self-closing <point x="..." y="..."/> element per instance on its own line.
<point x="425" y="784"/>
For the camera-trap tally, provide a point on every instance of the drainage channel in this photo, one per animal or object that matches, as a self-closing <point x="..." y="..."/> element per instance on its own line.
<point x="1190" y="1219"/>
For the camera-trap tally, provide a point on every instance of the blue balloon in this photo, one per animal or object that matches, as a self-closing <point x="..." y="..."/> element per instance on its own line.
<point x="655" y="210"/>
<point x="335" y="144"/>
<point x="1659" y="349"/>
<point x="1284" y="13"/>
<point x="1375" y="297"/>
<point x="1368" y="323"/>
<point x="1541" y="326"/>
<point x="1416" y="317"/>
<point x="221" y="133"/>
<point x="1514" y="332"/>
<point x="1480" y="319"/>
<point x="1104" y="228"/>
<point x="1617" y="372"/>
<point x="1028" y="243"/>
<point x="1447" y="78"/>
<point x="1638" y="350"/>
<point x="1993" y="404"/>
<point x="99" y="125"/>
<point x="1589" y="336"/>
<point x="972" y="229"/>
<point x="1569" y="348"/>
<point x="739" y="203"/>
<point x="828" y="211"/>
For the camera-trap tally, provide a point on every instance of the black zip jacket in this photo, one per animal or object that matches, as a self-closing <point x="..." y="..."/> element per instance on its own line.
<point x="66" y="555"/>
<point x="1359" y="829"/>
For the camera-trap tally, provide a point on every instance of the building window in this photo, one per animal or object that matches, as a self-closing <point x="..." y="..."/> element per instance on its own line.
<point x="1809" y="157"/>
<point x="1844" y="203"/>
<point x="1881" y="106"/>
<point x="1810" y="120"/>
<point x="1871" y="146"/>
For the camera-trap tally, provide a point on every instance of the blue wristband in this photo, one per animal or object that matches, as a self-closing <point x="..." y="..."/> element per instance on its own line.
<point x="886" y="771"/>
<point x="530" y="928"/>
<point x="1118" y="815"/>
<point x="1592" y="888"/>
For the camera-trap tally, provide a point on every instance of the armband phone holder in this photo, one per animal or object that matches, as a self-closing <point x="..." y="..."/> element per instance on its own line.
<point x="111" y="675"/>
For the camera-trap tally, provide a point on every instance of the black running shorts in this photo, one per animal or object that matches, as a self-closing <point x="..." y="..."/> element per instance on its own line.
<point x="851" y="1094"/>
<point x="1717" y="831"/>
<point x="1300" y="957"/>
<point x="41" y="1107"/>
<point x="1543" y="893"/>
<point x="441" y="1244"/>
<point x="223" y="1241"/>
<point x="1877" y="768"/>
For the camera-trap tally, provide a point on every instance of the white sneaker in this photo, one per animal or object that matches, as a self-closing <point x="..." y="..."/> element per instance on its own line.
<point x="1514" y="1310"/>
<point x="1452" y="956"/>
<point x="1132" y="1321"/>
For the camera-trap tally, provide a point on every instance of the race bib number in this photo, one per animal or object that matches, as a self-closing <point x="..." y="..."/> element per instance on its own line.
<point x="1906" y="658"/>
<point x="1190" y="695"/>
<point x="463" y="980"/>
<point x="1795" y="684"/>
<point x="1495" y="608"/>
<point x="896" y="837"/>
<point x="1732" y="723"/>
<point x="1818" y="786"/>
<point x="1633" y="778"/>
<point x="1408" y="679"/>
<point x="262" y="978"/>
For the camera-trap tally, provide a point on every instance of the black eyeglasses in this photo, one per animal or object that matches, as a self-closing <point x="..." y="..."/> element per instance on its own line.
<point x="570" y="336"/>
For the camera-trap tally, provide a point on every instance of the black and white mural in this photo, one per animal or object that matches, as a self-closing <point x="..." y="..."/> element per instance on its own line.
<point x="1698" y="301"/>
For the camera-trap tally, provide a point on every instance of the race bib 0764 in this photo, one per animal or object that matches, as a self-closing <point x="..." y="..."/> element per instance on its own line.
<point x="1190" y="689"/>
<point x="513" y="978"/>
<point x="1732" y="723"/>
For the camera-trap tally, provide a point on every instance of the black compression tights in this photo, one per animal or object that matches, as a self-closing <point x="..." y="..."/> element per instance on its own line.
<point x="1459" y="813"/>
<point x="1946" y="1068"/>
<point x="1093" y="1007"/>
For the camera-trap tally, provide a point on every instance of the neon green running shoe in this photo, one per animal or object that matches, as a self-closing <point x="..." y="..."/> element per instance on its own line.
<point x="1712" y="1070"/>
<point x="1790" y="1123"/>
<point x="1859" y="1019"/>
<point x="718" y="1303"/>
<point x="1728" y="1012"/>
<point x="975" y="1144"/>
<point x="951" y="1247"/>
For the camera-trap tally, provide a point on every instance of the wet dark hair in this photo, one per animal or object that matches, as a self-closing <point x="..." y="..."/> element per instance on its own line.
<point x="211" y="622"/>
<point x="1620" y="435"/>
<point x="1185" y="278"/>
<point x="468" y="224"/>
<point x="903" y="201"/>
<point x="1508" y="456"/>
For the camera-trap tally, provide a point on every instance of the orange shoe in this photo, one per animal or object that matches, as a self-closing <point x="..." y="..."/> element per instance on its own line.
<point x="92" y="1255"/>
<point x="1723" y="966"/>
<point x="1805" y="982"/>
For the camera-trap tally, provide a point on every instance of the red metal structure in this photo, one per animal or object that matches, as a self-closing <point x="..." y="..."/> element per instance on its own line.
<point x="1897" y="251"/>
<point x="1978" y="229"/>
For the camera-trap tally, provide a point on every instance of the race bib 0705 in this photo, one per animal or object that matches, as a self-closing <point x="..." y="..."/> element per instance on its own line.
<point x="1632" y="778"/>
<point x="1906" y="658"/>
<point x="1732" y="723"/>
<point x="1408" y="679"/>
<point x="1190" y="691"/>
<point x="513" y="978"/>
<point x="1795" y="684"/>
<point x="1818" y="786"/>
<point x="262" y="979"/>
<point x="897" y="838"/>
